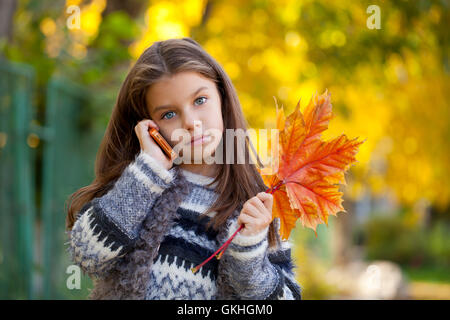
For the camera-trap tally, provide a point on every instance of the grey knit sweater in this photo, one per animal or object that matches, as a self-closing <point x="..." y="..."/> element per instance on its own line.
<point x="110" y="227"/>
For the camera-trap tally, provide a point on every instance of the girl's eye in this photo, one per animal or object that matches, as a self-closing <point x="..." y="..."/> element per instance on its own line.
<point x="171" y="112"/>
<point x="201" y="98"/>
<point x="164" y="116"/>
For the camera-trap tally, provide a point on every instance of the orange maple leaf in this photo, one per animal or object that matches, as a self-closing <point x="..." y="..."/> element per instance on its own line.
<point x="306" y="185"/>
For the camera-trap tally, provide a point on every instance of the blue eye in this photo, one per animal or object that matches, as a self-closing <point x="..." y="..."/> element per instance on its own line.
<point x="164" y="116"/>
<point x="201" y="98"/>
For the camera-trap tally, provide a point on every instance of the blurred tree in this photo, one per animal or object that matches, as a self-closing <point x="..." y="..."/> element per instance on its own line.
<point x="132" y="7"/>
<point x="381" y="80"/>
<point x="7" y="9"/>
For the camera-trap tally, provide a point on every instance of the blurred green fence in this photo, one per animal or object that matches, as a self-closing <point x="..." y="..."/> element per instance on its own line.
<point x="17" y="205"/>
<point x="33" y="260"/>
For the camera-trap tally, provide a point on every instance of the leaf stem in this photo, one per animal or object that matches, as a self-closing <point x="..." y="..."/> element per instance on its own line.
<point x="195" y="269"/>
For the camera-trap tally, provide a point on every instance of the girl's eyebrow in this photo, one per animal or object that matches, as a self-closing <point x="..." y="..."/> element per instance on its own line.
<point x="169" y="105"/>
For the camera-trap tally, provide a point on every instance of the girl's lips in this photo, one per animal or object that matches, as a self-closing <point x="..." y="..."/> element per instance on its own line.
<point x="201" y="140"/>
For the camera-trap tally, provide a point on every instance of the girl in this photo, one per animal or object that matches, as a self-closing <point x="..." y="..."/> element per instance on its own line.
<point x="145" y="221"/>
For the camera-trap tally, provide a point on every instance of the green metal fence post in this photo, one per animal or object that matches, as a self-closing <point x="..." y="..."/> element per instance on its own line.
<point x="17" y="182"/>
<point x="67" y="166"/>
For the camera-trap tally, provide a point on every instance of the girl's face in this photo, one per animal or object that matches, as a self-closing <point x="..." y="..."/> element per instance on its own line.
<point x="189" y="101"/>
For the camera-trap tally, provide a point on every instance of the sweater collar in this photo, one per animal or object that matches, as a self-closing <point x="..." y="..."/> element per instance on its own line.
<point x="198" y="179"/>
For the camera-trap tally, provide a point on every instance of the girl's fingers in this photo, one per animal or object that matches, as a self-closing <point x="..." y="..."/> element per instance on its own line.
<point x="257" y="203"/>
<point x="143" y="135"/>
<point x="264" y="196"/>
<point x="259" y="213"/>
<point x="153" y="124"/>
<point x="267" y="200"/>
<point x="246" y="219"/>
<point x="251" y="210"/>
<point x="143" y="126"/>
<point x="148" y="144"/>
<point x="251" y="224"/>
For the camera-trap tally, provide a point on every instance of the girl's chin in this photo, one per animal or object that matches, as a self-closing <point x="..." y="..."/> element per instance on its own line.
<point x="204" y="152"/>
<point x="198" y="156"/>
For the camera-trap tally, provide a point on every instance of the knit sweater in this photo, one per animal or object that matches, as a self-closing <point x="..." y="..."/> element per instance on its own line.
<point x="107" y="228"/>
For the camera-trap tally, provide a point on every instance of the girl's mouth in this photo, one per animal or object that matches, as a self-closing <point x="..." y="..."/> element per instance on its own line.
<point x="200" y="140"/>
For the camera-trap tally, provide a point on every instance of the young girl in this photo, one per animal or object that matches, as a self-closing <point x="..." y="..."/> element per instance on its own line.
<point x="145" y="221"/>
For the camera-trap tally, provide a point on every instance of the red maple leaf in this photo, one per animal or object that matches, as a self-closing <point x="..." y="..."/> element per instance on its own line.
<point x="306" y="185"/>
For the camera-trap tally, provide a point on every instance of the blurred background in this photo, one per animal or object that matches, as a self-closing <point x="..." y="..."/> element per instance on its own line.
<point x="385" y="63"/>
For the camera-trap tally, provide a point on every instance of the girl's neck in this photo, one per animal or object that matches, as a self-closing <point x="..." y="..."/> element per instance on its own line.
<point x="207" y="170"/>
<point x="199" y="177"/>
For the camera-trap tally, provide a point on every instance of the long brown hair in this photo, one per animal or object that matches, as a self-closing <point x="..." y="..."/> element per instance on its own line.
<point x="236" y="183"/>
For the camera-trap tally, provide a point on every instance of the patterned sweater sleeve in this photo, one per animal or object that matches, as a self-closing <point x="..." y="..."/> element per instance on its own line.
<point x="256" y="272"/>
<point x="107" y="227"/>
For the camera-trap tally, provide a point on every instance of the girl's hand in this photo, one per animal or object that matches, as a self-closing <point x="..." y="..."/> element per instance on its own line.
<point x="148" y="145"/>
<point x="256" y="214"/>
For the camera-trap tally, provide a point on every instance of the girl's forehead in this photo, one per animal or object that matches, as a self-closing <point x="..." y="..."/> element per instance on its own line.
<point x="186" y="79"/>
<point x="180" y="86"/>
<point x="182" y="82"/>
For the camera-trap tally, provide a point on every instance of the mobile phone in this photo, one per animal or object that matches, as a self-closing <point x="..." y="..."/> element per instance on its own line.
<point x="159" y="139"/>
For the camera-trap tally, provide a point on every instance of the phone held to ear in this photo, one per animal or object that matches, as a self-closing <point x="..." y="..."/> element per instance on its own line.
<point x="166" y="148"/>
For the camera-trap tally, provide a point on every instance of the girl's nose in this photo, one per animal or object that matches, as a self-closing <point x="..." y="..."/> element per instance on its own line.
<point x="191" y="123"/>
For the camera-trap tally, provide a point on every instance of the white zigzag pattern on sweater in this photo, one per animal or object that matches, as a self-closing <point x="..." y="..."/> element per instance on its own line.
<point x="88" y="251"/>
<point x="191" y="237"/>
<point x="172" y="282"/>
